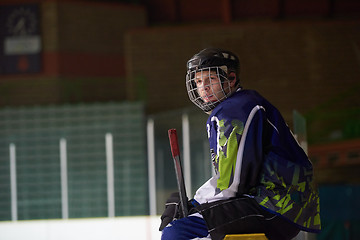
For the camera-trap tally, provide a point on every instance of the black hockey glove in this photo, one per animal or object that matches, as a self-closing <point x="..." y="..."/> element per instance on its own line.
<point x="173" y="210"/>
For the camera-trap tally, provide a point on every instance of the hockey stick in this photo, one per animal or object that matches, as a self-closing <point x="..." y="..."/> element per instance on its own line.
<point x="178" y="170"/>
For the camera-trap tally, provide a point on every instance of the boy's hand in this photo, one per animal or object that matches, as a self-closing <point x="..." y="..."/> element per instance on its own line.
<point x="171" y="211"/>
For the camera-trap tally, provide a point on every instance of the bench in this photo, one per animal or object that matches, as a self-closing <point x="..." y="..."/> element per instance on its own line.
<point x="253" y="236"/>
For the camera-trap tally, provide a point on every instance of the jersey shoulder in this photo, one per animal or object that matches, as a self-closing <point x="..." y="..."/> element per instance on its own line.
<point x="239" y="104"/>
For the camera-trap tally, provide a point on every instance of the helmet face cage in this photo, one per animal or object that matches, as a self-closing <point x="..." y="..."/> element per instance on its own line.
<point x="213" y="80"/>
<point x="210" y="62"/>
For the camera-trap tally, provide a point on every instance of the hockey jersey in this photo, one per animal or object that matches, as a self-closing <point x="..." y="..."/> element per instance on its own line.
<point x="254" y="153"/>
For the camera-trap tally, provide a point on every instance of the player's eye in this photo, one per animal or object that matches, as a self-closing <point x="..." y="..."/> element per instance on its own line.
<point x="213" y="79"/>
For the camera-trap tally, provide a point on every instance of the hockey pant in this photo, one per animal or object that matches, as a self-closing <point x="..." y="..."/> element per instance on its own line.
<point x="233" y="216"/>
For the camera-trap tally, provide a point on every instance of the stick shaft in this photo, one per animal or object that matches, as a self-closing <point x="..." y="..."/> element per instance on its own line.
<point x="174" y="144"/>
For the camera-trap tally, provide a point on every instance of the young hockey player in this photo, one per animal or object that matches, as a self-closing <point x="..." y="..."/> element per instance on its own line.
<point x="263" y="181"/>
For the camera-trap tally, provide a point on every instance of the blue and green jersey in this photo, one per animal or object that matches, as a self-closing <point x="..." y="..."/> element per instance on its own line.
<point x="254" y="153"/>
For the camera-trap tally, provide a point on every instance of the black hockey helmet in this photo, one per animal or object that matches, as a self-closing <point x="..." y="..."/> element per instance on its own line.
<point x="216" y="60"/>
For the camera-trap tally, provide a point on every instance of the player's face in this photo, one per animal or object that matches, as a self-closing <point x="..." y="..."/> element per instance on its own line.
<point x="209" y="86"/>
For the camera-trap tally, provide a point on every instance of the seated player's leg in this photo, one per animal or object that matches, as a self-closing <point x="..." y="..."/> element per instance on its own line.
<point x="185" y="228"/>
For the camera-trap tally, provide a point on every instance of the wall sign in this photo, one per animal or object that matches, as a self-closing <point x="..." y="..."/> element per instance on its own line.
<point x="20" y="39"/>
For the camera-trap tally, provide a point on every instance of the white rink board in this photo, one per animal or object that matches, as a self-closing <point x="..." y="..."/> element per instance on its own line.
<point x="118" y="228"/>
